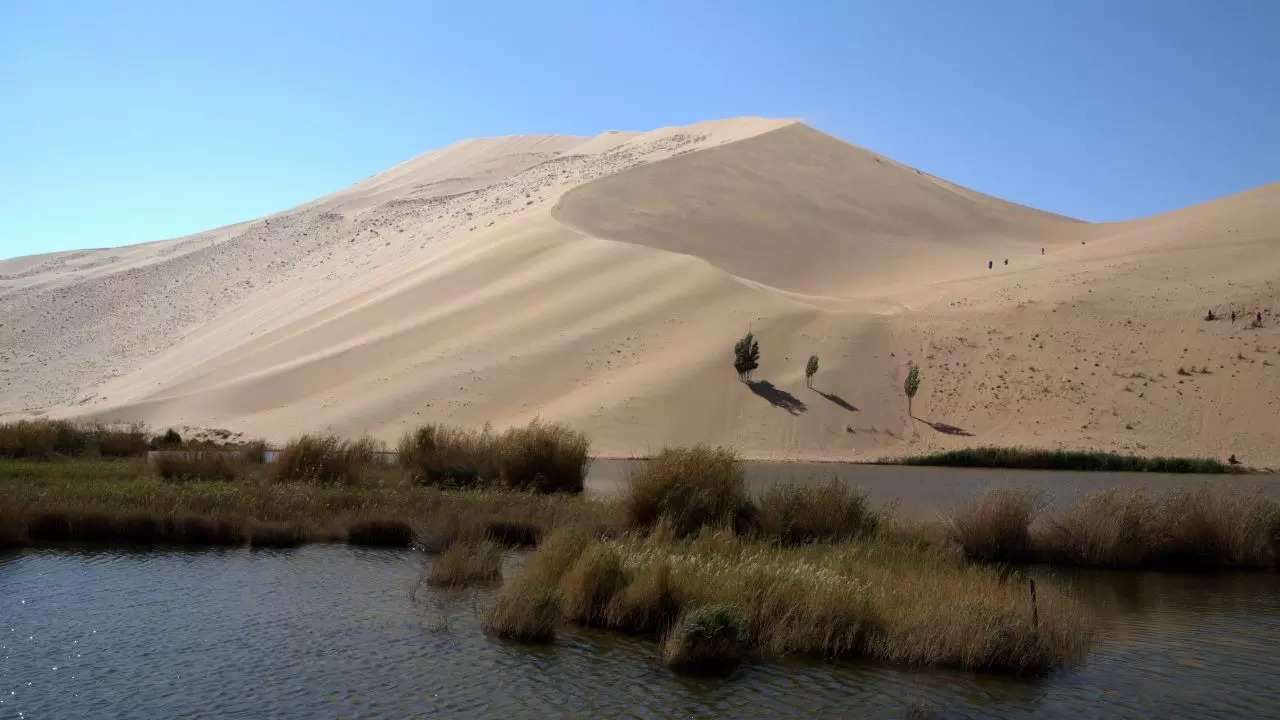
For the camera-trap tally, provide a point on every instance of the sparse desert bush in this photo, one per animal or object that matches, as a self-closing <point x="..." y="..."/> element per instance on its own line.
<point x="692" y="487"/>
<point x="213" y="465"/>
<point x="996" y="526"/>
<point x="544" y="457"/>
<point x="465" y="564"/>
<point x="794" y="514"/>
<point x="325" y="459"/>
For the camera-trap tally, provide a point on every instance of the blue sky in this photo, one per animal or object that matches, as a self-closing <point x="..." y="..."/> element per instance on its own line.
<point x="125" y="122"/>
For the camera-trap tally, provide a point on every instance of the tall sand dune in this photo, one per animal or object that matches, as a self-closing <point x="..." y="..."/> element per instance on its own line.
<point x="602" y="282"/>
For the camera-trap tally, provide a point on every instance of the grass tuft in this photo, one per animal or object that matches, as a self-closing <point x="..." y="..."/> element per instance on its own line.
<point x="204" y="464"/>
<point x="795" y="514"/>
<point x="467" y="563"/>
<point x="996" y="526"/>
<point x="43" y="439"/>
<point x="691" y="488"/>
<point x="325" y="459"/>
<point x="705" y="640"/>
<point x="544" y="457"/>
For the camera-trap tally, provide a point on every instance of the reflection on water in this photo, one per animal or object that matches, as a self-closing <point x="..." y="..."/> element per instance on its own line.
<point x="335" y="631"/>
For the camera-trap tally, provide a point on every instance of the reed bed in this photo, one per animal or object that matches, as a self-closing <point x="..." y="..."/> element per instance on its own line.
<point x="1038" y="459"/>
<point x="855" y="599"/>
<point x="43" y="439"/>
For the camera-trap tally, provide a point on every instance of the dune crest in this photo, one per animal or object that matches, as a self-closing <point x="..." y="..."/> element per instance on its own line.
<point x="602" y="281"/>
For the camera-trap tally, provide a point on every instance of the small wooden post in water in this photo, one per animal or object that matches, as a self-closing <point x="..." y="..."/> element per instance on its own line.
<point x="1035" y="612"/>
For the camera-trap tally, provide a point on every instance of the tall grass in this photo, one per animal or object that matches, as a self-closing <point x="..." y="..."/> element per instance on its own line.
<point x="1036" y="459"/>
<point x="544" y="457"/>
<point x="448" y="456"/>
<point x="322" y="512"/>
<point x="860" y="598"/>
<point x="1183" y="529"/>
<point x="540" y="457"/>
<point x="997" y="525"/>
<point x="692" y="488"/>
<point x="325" y="459"/>
<point x="465" y="564"/>
<point x="43" y="439"/>
<point x="212" y="465"/>
<point x="795" y="514"/>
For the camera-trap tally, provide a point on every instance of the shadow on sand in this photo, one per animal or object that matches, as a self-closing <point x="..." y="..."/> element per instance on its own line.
<point x="838" y="400"/>
<point x="777" y="397"/>
<point x="946" y="429"/>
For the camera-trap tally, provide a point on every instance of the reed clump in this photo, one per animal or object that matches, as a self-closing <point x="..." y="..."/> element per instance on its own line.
<point x="996" y="526"/>
<point x="692" y="488"/>
<point x="325" y="459"/>
<point x="705" y="640"/>
<point x="529" y="607"/>
<point x="538" y="457"/>
<point x="1185" y="529"/>
<point x="204" y="464"/>
<point x="858" y="598"/>
<point x="465" y="564"/>
<point x="43" y="439"/>
<point x="795" y="514"/>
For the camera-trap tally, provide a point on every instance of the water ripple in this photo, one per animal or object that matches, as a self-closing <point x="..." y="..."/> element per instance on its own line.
<point x="333" y="631"/>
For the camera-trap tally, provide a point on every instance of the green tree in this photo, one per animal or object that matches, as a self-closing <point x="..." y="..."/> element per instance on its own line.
<point x="810" y="369"/>
<point x="911" y="385"/>
<point x="746" y="356"/>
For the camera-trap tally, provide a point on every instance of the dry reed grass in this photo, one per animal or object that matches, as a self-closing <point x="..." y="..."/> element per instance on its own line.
<point x="862" y="598"/>
<point x="691" y="488"/>
<point x="43" y="439"/>
<point x="465" y="564"/>
<point x="204" y="464"/>
<point x="795" y="514"/>
<point x="996" y="526"/>
<point x="325" y="459"/>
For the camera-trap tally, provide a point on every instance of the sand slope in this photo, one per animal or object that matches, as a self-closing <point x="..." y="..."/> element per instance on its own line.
<point x="602" y="282"/>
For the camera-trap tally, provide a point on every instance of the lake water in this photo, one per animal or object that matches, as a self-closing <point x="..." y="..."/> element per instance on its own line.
<point x="331" y="631"/>
<point x="922" y="493"/>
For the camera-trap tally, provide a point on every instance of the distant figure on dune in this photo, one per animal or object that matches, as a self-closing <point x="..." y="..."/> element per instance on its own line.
<point x="1233" y="316"/>
<point x="990" y="264"/>
<point x="1006" y="261"/>
<point x="1209" y="316"/>
<point x="1041" y="251"/>
<point x="1257" y="318"/>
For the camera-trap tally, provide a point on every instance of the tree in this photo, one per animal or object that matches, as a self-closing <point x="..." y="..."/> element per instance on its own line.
<point x="911" y="385"/>
<point x="746" y="356"/>
<point x="810" y="370"/>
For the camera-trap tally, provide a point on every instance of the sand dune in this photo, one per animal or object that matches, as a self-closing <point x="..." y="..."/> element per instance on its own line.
<point x="602" y="281"/>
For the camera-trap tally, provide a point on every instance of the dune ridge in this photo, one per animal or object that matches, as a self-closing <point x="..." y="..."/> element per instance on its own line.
<point x="602" y="281"/>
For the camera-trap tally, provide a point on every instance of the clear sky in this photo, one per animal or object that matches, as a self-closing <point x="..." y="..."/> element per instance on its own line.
<point x="125" y="121"/>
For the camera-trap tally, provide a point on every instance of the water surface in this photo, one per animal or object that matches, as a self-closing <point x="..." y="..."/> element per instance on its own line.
<point x="330" y="631"/>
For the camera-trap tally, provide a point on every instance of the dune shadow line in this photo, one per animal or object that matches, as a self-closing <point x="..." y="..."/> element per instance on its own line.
<point x="777" y="397"/>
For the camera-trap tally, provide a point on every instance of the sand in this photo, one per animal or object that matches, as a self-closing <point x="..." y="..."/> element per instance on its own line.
<point x="602" y="282"/>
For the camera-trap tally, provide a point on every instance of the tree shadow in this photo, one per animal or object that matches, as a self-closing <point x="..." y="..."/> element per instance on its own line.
<point x="946" y="429"/>
<point x="777" y="397"/>
<point x="838" y="400"/>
